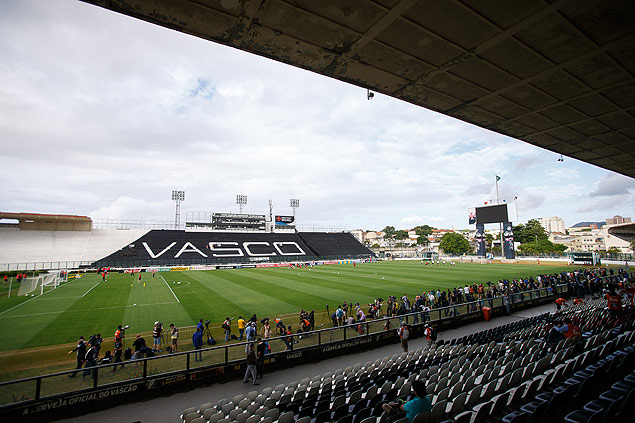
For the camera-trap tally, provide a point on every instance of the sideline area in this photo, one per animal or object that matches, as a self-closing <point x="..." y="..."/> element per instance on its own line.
<point x="169" y="408"/>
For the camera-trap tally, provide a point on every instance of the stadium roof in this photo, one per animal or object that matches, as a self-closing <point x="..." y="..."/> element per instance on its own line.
<point x="557" y="74"/>
<point x="584" y="224"/>
<point x="38" y="221"/>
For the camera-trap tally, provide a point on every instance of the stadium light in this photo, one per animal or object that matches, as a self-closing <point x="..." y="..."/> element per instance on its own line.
<point x="294" y="203"/>
<point x="241" y="200"/>
<point x="178" y="197"/>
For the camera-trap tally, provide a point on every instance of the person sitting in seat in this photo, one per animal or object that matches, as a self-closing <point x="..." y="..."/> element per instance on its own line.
<point x="410" y="409"/>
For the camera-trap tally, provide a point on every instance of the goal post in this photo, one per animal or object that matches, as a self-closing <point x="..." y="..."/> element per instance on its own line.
<point x="30" y="284"/>
<point x="43" y="282"/>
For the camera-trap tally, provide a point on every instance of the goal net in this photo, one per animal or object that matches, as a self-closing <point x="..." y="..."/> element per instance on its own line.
<point x="41" y="283"/>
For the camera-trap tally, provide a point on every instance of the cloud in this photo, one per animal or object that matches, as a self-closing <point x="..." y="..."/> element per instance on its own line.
<point x="104" y="115"/>
<point x="614" y="184"/>
<point x="124" y="207"/>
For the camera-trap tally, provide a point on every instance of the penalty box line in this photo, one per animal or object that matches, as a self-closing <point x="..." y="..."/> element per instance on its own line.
<point x="81" y="311"/>
<point x="85" y="293"/>
<point x="166" y="284"/>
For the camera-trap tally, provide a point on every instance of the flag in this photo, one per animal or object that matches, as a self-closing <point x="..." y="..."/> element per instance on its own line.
<point x="498" y="178"/>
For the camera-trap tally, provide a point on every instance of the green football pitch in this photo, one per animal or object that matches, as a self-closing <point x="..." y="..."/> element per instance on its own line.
<point x="87" y="305"/>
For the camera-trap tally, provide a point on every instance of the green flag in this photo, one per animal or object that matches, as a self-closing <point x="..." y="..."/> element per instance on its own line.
<point x="498" y="178"/>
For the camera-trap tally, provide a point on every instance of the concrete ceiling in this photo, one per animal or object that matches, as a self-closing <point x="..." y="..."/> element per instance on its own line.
<point x="557" y="74"/>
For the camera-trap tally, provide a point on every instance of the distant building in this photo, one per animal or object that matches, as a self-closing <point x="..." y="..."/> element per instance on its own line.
<point x="552" y="224"/>
<point x="617" y="220"/>
<point x="567" y="240"/>
<point x="590" y="240"/>
<point x="359" y="234"/>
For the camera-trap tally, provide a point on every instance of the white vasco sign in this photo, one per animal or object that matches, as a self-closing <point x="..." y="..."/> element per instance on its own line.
<point x="234" y="249"/>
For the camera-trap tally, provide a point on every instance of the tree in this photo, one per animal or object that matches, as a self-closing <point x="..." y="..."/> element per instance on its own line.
<point x="542" y="246"/>
<point x="389" y="231"/>
<point x="423" y="230"/>
<point x="375" y="245"/>
<point x="633" y="245"/>
<point x="613" y="250"/>
<point x="423" y="239"/>
<point x="532" y="231"/>
<point x="453" y="243"/>
<point x="401" y="234"/>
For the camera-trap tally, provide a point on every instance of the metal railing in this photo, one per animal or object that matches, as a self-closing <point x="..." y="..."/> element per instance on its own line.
<point x="43" y="265"/>
<point x="87" y="379"/>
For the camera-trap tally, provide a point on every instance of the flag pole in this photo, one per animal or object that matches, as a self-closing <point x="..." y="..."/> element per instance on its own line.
<point x="497" y="198"/>
<point x="500" y="224"/>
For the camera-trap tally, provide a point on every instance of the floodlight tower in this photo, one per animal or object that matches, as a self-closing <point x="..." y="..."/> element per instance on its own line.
<point x="241" y="200"/>
<point x="178" y="197"/>
<point x="294" y="203"/>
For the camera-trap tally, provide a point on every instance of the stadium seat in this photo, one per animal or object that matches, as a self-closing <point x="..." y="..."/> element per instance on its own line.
<point x="286" y="418"/>
<point x="187" y="411"/>
<point x="191" y="416"/>
<point x="273" y="413"/>
<point x="361" y="415"/>
<point x="235" y="412"/>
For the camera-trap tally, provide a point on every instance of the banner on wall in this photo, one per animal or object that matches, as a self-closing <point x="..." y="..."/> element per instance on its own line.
<point x="480" y="240"/>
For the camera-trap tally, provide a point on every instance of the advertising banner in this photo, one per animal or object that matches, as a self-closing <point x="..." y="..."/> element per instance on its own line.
<point x="508" y="237"/>
<point x="204" y="267"/>
<point x="179" y="269"/>
<point x="284" y="220"/>
<point x="480" y="240"/>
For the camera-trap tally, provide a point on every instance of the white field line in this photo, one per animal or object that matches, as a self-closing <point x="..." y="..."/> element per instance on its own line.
<point x="166" y="284"/>
<point x="84" y="310"/>
<point x="89" y="290"/>
<point x="33" y="298"/>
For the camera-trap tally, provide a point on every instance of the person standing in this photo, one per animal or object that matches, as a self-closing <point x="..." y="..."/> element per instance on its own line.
<point x="260" y="357"/>
<point x="118" y="353"/>
<point x="289" y="339"/>
<point x="251" y="366"/>
<point x="266" y="329"/>
<point x="119" y="334"/>
<point x="251" y="333"/>
<point x="614" y="303"/>
<point x="404" y="334"/>
<point x="197" y="340"/>
<point x="174" y="335"/>
<point x="81" y="354"/>
<point x="156" y="336"/>
<point x="429" y="333"/>
<point x="91" y="360"/>
<point x="227" y="328"/>
<point x="241" y="327"/>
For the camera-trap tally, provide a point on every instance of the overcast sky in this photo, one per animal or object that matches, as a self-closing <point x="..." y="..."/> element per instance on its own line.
<point x="104" y="115"/>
